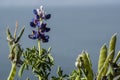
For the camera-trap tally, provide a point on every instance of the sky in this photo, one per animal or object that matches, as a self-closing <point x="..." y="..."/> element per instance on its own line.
<point x="8" y="3"/>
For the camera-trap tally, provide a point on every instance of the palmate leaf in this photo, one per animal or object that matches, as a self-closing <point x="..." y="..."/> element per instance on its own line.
<point x="40" y="64"/>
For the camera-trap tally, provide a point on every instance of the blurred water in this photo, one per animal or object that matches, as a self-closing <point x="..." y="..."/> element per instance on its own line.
<point x="73" y="29"/>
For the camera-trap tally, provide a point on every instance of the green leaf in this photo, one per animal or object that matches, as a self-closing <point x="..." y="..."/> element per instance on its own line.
<point x="110" y="70"/>
<point x="43" y="51"/>
<point x="51" y="58"/>
<point x="48" y="67"/>
<point x="49" y="50"/>
<point x="65" y="75"/>
<point x="59" y="72"/>
<point x="20" y="34"/>
<point x="21" y="70"/>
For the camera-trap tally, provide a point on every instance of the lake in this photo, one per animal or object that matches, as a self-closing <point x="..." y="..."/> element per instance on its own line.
<point x="73" y="29"/>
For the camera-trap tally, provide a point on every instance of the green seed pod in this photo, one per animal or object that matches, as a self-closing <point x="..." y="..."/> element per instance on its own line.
<point x="88" y="56"/>
<point x="117" y="57"/>
<point x="90" y="64"/>
<point x="102" y="57"/>
<point x="104" y="69"/>
<point x="87" y="65"/>
<point x="112" y="45"/>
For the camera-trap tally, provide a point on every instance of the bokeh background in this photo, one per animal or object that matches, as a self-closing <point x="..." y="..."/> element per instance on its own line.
<point x="76" y="25"/>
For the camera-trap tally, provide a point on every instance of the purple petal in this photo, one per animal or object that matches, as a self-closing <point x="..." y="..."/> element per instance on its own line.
<point x="32" y="24"/>
<point x="35" y="11"/>
<point x="47" y="29"/>
<point x="48" y="16"/>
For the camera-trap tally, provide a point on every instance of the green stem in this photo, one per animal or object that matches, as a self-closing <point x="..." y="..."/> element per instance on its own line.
<point x="12" y="72"/>
<point x="39" y="43"/>
<point x="39" y="78"/>
<point x="39" y="47"/>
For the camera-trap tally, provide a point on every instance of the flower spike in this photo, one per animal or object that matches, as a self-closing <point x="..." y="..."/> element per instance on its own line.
<point x="38" y="21"/>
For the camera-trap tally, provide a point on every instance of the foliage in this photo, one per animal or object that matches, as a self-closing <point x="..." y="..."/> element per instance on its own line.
<point x="41" y="65"/>
<point x="61" y="76"/>
<point x="15" y="51"/>
<point x="108" y="68"/>
<point x="40" y="61"/>
<point x="84" y="65"/>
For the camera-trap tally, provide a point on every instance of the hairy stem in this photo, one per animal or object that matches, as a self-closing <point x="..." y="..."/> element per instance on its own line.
<point x="39" y="47"/>
<point x="12" y="72"/>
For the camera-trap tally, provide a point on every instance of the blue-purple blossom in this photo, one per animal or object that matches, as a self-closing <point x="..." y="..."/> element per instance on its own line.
<point x="34" y="35"/>
<point x="34" y="22"/>
<point x="39" y="35"/>
<point x="43" y="28"/>
<point x="39" y="21"/>
<point x="44" y="38"/>
<point x="35" y="12"/>
<point x="40" y="13"/>
<point x="47" y="16"/>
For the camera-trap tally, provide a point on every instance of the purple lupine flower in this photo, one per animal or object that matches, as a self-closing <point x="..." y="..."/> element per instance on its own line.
<point x="46" y="39"/>
<point x="47" y="16"/>
<point x="43" y="28"/>
<point x="37" y="21"/>
<point x="39" y="35"/>
<point x="35" y="11"/>
<point x="40" y="13"/>
<point x="34" y="22"/>
<point x="43" y="37"/>
<point x="34" y="35"/>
